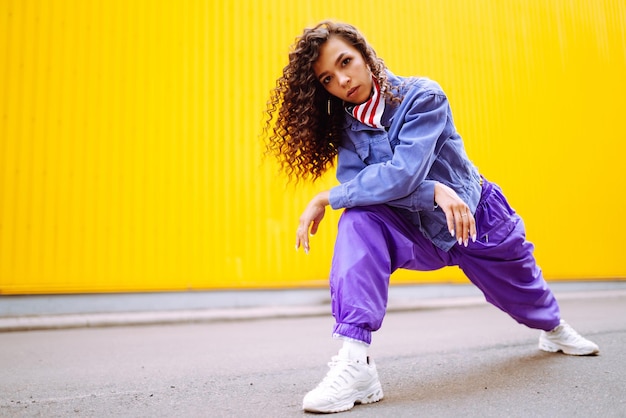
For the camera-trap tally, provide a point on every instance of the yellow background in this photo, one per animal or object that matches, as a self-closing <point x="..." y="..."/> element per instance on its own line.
<point x="130" y="157"/>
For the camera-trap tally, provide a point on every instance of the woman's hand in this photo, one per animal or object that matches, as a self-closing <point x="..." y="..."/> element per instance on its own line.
<point x="310" y="220"/>
<point x="461" y="223"/>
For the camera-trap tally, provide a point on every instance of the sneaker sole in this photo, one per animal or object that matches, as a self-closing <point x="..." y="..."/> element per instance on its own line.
<point x="363" y="398"/>
<point x="553" y="348"/>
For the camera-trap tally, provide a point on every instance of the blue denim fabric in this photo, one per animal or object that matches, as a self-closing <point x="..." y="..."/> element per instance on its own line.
<point x="399" y="164"/>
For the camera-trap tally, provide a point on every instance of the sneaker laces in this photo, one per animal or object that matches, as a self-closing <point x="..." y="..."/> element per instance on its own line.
<point x="336" y="376"/>
<point x="567" y="334"/>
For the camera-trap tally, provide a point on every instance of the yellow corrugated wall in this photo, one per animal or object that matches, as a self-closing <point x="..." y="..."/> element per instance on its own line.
<point x="130" y="157"/>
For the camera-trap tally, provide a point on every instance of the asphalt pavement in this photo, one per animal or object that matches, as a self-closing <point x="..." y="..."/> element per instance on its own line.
<point x="437" y="360"/>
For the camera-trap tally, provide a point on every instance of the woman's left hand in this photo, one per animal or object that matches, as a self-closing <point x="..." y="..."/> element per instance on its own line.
<point x="461" y="223"/>
<point x="310" y="220"/>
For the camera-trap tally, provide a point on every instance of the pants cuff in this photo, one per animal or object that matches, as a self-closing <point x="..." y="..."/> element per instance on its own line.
<point x="353" y="332"/>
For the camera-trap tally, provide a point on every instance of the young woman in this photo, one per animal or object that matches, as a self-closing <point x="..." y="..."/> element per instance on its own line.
<point x="412" y="200"/>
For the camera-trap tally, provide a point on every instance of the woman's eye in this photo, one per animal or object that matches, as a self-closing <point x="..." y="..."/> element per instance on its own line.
<point x="326" y="80"/>
<point x="346" y="61"/>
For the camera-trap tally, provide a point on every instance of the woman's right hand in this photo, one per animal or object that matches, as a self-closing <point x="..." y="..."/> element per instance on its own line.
<point x="310" y="220"/>
<point x="461" y="223"/>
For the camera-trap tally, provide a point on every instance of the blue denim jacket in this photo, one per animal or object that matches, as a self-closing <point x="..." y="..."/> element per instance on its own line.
<point x="399" y="164"/>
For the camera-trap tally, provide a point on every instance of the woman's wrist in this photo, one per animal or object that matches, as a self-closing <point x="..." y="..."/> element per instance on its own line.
<point x="323" y="197"/>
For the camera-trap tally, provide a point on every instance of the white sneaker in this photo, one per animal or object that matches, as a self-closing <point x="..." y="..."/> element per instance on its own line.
<point x="347" y="383"/>
<point x="564" y="338"/>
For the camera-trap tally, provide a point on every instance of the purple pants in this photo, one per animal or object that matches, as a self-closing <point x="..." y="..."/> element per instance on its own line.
<point x="374" y="241"/>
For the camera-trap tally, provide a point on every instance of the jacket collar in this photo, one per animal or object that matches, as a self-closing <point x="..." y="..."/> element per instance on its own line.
<point x="390" y="110"/>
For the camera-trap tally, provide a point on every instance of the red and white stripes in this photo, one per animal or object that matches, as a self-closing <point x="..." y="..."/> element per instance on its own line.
<point x="371" y="111"/>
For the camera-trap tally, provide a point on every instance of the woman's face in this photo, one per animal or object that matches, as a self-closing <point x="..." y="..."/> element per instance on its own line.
<point x="343" y="72"/>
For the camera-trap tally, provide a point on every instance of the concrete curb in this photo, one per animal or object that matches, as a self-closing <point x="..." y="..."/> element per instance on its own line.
<point x="67" y="321"/>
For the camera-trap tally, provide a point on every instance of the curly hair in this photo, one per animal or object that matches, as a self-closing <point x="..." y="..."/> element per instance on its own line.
<point x="305" y="135"/>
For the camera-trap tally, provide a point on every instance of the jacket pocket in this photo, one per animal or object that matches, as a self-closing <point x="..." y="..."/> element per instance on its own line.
<point x="378" y="150"/>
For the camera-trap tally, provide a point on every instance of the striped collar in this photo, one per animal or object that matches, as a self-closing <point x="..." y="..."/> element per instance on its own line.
<point x="370" y="112"/>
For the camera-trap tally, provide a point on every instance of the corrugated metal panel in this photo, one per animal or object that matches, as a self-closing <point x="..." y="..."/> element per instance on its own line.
<point x="129" y="150"/>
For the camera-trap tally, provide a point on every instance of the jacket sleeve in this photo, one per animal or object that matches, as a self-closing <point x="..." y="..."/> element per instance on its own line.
<point x="401" y="180"/>
<point x="423" y="198"/>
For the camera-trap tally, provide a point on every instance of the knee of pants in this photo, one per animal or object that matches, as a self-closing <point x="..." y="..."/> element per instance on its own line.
<point x="361" y="242"/>
<point x="365" y="217"/>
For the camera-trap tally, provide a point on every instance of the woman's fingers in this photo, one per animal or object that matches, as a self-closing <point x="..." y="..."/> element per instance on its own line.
<point x="302" y="238"/>
<point x="459" y="218"/>
<point x="461" y="226"/>
<point x="311" y="219"/>
<point x="464" y="225"/>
